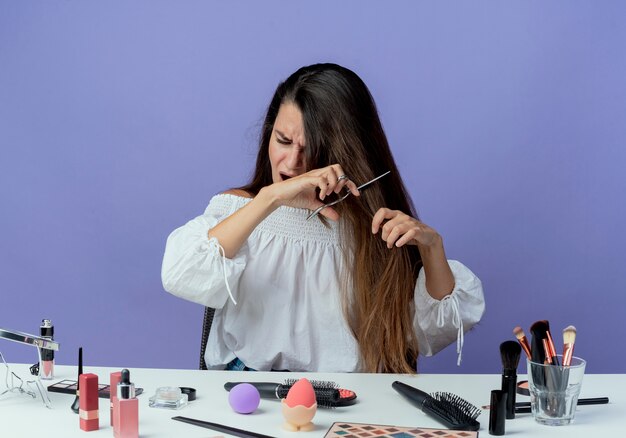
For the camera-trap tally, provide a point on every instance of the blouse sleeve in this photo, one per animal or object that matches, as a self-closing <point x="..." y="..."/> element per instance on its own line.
<point x="194" y="266"/>
<point x="439" y="322"/>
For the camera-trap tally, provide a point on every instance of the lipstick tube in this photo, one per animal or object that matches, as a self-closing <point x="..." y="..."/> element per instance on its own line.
<point x="46" y="366"/>
<point x="88" y="402"/>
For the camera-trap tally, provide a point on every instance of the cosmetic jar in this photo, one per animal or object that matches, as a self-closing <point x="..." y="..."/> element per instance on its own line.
<point x="168" y="397"/>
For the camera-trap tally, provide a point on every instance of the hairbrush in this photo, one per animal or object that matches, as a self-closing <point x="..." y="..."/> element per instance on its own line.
<point x="328" y="394"/>
<point x="449" y="409"/>
<point x="510" y="352"/>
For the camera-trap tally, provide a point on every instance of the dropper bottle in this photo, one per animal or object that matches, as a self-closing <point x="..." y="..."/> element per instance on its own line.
<point x="126" y="410"/>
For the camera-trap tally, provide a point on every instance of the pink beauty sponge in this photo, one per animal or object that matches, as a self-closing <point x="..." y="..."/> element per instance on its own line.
<point x="244" y="398"/>
<point x="301" y="394"/>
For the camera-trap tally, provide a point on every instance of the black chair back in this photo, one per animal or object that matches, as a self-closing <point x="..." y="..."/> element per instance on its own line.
<point x="206" y="329"/>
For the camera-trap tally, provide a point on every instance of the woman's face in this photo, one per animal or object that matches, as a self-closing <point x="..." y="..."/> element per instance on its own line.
<point x="286" y="148"/>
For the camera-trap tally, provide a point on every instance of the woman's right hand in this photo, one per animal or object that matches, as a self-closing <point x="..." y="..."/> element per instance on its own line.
<point x="300" y="191"/>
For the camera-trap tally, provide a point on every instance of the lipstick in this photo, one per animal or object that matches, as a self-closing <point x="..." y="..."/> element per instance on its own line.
<point x="88" y="401"/>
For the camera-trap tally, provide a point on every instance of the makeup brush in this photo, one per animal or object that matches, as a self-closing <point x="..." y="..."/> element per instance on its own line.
<point x="549" y="345"/>
<point x="539" y="347"/>
<point x="537" y="352"/>
<point x="569" y="338"/>
<point x="510" y="352"/>
<point x="328" y="394"/>
<point x="523" y="340"/>
<point x="76" y="404"/>
<point x="449" y="409"/>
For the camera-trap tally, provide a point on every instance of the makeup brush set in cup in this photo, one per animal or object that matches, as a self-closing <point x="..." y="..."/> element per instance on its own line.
<point x="554" y="380"/>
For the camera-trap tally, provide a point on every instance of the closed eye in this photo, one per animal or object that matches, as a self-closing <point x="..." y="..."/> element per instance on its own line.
<point x="282" y="138"/>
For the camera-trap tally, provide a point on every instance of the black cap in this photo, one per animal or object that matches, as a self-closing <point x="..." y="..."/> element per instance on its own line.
<point x="497" y="412"/>
<point x="125" y="388"/>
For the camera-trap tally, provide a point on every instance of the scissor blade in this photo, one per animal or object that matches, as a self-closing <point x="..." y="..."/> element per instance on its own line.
<point x="371" y="181"/>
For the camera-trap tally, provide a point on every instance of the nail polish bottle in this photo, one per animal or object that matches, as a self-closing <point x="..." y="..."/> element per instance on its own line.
<point x="126" y="409"/>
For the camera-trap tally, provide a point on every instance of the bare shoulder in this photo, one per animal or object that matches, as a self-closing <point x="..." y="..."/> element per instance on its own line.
<point x="238" y="192"/>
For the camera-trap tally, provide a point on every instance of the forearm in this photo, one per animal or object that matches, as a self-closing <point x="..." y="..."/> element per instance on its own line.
<point x="233" y="231"/>
<point x="439" y="277"/>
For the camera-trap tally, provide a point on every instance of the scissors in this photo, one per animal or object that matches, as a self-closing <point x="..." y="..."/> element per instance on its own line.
<point x="337" y="201"/>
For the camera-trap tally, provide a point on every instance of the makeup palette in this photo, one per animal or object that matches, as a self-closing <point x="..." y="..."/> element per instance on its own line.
<point x="69" y="387"/>
<point x="361" y="430"/>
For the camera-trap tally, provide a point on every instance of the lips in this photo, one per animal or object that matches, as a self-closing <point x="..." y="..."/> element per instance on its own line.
<point x="285" y="177"/>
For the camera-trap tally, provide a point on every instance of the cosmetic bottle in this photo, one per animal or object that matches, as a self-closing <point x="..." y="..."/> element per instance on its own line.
<point x="116" y="378"/>
<point x="497" y="412"/>
<point x="46" y="366"/>
<point x="88" y="402"/>
<point x="126" y="409"/>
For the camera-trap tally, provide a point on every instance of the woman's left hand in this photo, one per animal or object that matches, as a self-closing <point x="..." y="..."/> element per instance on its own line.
<point x="402" y="229"/>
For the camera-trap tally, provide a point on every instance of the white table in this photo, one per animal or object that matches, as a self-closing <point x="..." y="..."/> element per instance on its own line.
<point x="22" y="416"/>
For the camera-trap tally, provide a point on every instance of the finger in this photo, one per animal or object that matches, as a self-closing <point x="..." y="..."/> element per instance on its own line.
<point x="322" y="184"/>
<point x="393" y="235"/>
<point x="342" y="182"/>
<point x="352" y="186"/>
<point x="391" y="224"/>
<point x="408" y="237"/>
<point x="382" y="214"/>
<point x="333" y="179"/>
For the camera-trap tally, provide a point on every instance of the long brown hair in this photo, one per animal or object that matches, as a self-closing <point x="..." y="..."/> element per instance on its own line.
<point x="341" y="125"/>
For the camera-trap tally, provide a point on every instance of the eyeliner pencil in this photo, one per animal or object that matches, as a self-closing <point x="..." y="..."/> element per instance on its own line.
<point x="221" y="428"/>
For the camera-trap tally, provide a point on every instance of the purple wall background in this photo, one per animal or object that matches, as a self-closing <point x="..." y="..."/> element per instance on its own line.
<point x="119" y="121"/>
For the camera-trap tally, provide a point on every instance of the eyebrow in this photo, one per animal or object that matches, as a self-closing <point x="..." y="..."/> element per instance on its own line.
<point x="283" y="136"/>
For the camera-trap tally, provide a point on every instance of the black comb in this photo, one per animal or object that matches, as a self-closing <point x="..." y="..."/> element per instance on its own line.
<point x="449" y="409"/>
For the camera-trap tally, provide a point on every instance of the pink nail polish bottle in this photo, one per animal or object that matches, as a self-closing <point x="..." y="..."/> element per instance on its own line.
<point x="126" y="409"/>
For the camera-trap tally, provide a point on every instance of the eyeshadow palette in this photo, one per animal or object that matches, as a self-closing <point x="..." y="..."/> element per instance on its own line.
<point x="69" y="387"/>
<point x="360" y="430"/>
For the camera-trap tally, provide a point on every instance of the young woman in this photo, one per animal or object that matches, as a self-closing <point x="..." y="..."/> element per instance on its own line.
<point x="364" y="286"/>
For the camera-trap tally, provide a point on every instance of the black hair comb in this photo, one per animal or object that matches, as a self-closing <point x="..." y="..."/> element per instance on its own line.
<point x="449" y="409"/>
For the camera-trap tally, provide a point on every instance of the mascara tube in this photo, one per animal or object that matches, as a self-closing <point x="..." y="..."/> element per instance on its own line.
<point x="46" y="365"/>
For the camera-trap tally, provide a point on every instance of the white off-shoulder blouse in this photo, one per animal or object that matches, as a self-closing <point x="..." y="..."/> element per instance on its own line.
<point x="286" y="282"/>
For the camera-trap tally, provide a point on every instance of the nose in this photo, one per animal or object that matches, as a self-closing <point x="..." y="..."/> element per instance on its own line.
<point x="295" y="160"/>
